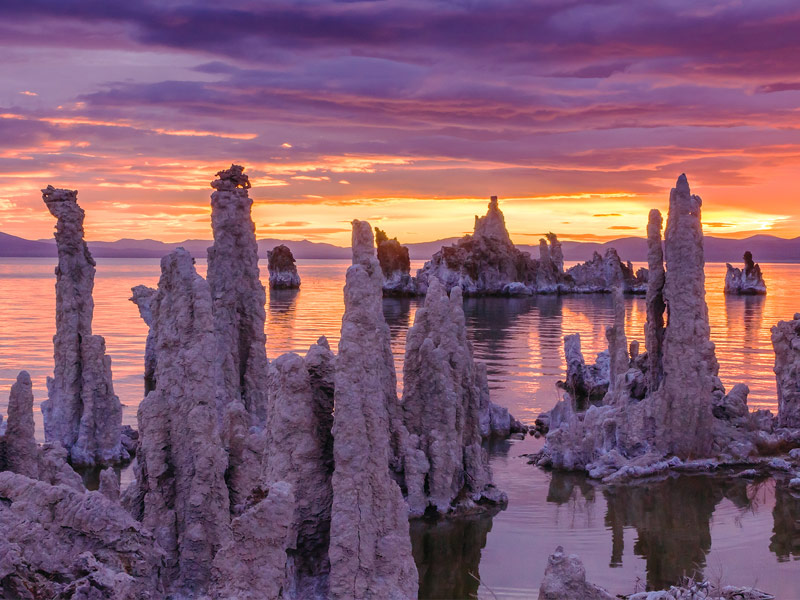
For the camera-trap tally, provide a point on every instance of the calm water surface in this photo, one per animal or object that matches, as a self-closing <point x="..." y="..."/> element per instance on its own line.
<point x="746" y="533"/>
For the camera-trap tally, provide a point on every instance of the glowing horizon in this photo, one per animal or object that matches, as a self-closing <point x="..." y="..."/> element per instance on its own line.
<point x="580" y="117"/>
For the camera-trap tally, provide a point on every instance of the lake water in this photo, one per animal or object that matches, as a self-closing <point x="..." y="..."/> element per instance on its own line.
<point x="744" y="533"/>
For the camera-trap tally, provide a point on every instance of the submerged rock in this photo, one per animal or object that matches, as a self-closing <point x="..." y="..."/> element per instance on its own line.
<point x="370" y="548"/>
<point x="18" y="450"/>
<point x="282" y="270"/>
<point x="396" y="266"/>
<point x="81" y="412"/>
<point x="786" y="342"/>
<point x="180" y="492"/>
<point x="238" y="298"/>
<point x="441" y="409"/>
<point x="747" y="281"/>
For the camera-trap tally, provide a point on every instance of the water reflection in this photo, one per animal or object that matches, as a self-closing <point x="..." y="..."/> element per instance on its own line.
<point x="448" y="555"/>
<point x="785" y="541"/>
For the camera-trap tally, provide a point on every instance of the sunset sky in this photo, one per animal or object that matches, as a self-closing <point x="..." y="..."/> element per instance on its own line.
<point x="408" y="113"/>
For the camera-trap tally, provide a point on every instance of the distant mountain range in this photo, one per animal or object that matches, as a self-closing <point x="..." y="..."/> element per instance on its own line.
<point x="765" y="248"/>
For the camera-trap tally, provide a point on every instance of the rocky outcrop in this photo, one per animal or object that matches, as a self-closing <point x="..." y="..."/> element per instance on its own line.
<point x="565" y="579"/>
<point x="18" y="450"/>
<point x="396" y="266"/>
<point x="142" y="297"/>
<point x="299" y="452"/>
<point x="747" y="281"/>
<point x="180" y="493"/>
<point x="282" y="270"/>
<point x="370" y="548"/>
<point x="649" y="421"/>
<point x="786" y="342"/>
<point x="441" y="409"/>
<point x="81" y="412"/>
<point x="494" y="420"/>
<point x="238" y="297"/>
<point x="488" y="263"/>
<point x="584" y="384"/>
<point x="59" y="542"/>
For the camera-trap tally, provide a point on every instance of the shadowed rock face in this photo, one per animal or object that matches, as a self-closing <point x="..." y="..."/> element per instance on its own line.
<point x="565" y="579"/>
<point x="786" y="342"/>
<point x="81" y="412"/>
<point x="654" y="327"/>
<point x="585" y="384"/>
<point x="59" y="542"/>
<point x="396" y="266"/>
<point x="282" y="270"/>
<point x="238" y="296"/>
<point x="747" y="281"/>
<point x="370" y="548"/>
<point x="441" y="409"/>
<point x="142" y="297"/>
<point x="180" y="492"/>
<point x="18" y="450"/>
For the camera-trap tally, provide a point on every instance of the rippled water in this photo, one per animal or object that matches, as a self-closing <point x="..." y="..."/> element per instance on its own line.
<point x="743" y="533"/>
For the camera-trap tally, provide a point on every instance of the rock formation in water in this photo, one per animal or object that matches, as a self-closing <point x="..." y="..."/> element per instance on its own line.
<point x="488" y="263"/>
<point x="370" y="548"/>
<point x="299" y="451"/>
<point x="494" y="420"/>
<point x="180" y="493"/>
<point x="81" y="412"/>
<point x="585" y="384"/>
<point x="565" y="579"/>
<point x="238" y="297"/>
<point x="786" y="342"/>
<point x="396" y="266"/>
<point x="142" y="297"/>
<point x="57" y="542"/>
<point x="18" y="450"/>
<point x="747" y="281"/>
<point x="282" y="270"/>
<point x="441" y="409"/>
<point x="667" y="407"/>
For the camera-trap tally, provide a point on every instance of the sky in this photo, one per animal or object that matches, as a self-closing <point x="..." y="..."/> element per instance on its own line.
<point x="408" y="113"/>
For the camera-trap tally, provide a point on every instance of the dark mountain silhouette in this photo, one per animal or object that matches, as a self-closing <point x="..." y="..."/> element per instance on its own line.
<point x="765" y="248"/>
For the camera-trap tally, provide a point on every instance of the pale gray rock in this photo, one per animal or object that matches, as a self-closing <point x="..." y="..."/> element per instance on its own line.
<point x="282" y="270"/>
<point x="619" y="360"/>
<point x="142" y="296"/>
<point x="18" y="450"/>
<point x="654" y="327"/>
<point x="54" y="468"/>
<point x="494" y="421"/>
<point x="299" y="452"/>
<point x="109" y="484"/>
<point x="57" y="542"/>
<point x="786" y="342"/>
<point x="604" y="274"/>
<point x="180" y="492"/>
<point x="244" y="445"/>
<point x="747" y="281"/>
<point x="81" y="412"/>
<point x="238" y="297"/>
<point x="584" y="384"/>
<point x="252" y="564"/>
<point x="370" y="547"/>
<point x="441" y="409"/>
<point x="565" y="579"/>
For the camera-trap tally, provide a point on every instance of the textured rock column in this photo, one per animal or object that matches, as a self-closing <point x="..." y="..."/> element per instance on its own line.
<point x="654" y="327"/>
<point x="786" y="342"/>
<point x="690" y="365"/>
<point x="142" y="297"/>
<point x="21" y="453"/>
<point x="370" y="547"/>
<point x="238" y="296"/>
<point x="617" y="342"/>
<point x="441" y="405"/>
<point x="180" y="490"/>
<point x="81" y="412"/>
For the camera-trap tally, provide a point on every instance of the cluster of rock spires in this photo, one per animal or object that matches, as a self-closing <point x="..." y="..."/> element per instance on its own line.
<point x="666" y="408"/>
<point x="248" y="484"/>
<point x="488" y="263"/>
<point x="747" y="281"/>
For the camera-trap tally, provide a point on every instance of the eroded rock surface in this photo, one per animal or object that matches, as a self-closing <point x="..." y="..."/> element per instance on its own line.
<point x="441" y="409"/>
<point x="786" y="342"/>
<point x="565" y="579"/>
<point x="370" y="547"/>
<point x="142" y="297"/>
<point x="81" y="412"/>
<point x="180" y="493"/>
<point x="396" y="266"/>
<point x="584" y="384"/>
<point x="746" y="281"/>
<point x="18" y="450"/>
<point x="282" y="269"/>
<point x="238" y="297"/>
